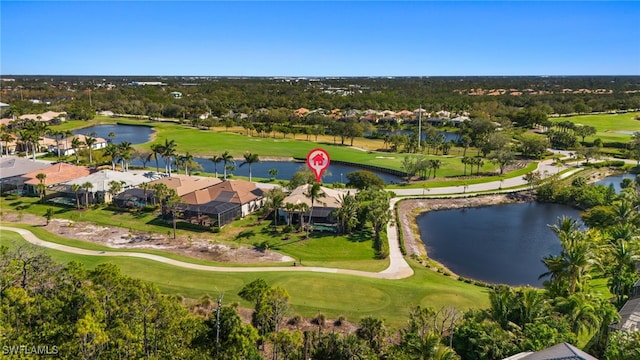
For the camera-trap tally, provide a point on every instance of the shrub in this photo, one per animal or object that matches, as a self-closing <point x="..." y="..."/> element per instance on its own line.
<point x="295" y="320"/>
<point x="319" y="320"/>
<point x="340" y="321"/>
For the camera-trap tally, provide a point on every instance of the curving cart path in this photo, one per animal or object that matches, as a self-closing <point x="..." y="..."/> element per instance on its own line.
<point x="398" y="266"/>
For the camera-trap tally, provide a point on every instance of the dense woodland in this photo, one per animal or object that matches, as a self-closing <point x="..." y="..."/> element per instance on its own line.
<point x="220" y="96"/>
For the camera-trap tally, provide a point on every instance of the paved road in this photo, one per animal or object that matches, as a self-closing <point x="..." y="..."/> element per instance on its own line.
<point x="398" y="266"/>
<point x="395" y="270"/>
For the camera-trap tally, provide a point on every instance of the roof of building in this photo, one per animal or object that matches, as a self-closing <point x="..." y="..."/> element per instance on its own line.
<point x="13" y="166"/>
<point x="102" y="178"/>
<point x="629" y="316"/>
<point x="331" y="198"/>
<point x="46" y="116"/>
<point x="66" y="143"/>
<point x="562" y="351"/>
<point x="183" y="184"/>
<point x="230" y="191"/>
<point x="57" y="173"/>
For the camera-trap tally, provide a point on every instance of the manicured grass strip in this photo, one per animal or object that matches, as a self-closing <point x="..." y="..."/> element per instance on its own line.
<point x="331" y="294"/>
<point x="609" y="127"/>
<point x="459" y="182"/>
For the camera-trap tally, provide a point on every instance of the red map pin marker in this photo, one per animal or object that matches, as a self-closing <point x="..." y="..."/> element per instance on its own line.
<point x="318" y="161"/>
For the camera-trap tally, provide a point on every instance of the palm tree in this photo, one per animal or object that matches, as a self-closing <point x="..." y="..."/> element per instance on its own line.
<point x="87" y="186"/>
<point x="145" y="187"/>
<point x="569" y="270"/>
<point x="620" y="261"/>
<point x="186" y="160"/>
<point x="41" y="187"/>
<point x="274" y="201"/>
<point x="115" y="187"/>
<point x="226" y="159"/>
<point x="216" y="159"/>
<point x="173" y="204"/>
<point x="111" y="136"/>
<point x="347" y="213"/>
<point x="76" y="188"/>
<point x="314" y="193"/>
<point x="6" y="137"/>
<point x="435" y="165"/>
<point x="76" y="143"/>
<point x="250" y="158"/>
<point x="157" y="150"/>
<point x="273" y="173"/>
<point x="581" y="311"/>
<point x="67" y="134"/>
<point x="168" y="153"/>
<point x="89" y="142"/>
<point x="113" y="152"/>
<point x="126" y="150"/>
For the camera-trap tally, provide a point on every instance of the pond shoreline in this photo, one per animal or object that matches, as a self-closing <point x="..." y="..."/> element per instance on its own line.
<point x="408" y="211"/>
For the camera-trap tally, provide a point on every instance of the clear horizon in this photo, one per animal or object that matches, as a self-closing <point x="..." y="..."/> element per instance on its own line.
<point x="319" y="39"/>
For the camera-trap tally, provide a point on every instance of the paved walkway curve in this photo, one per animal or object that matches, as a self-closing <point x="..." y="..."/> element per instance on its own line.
<point x="394" y="271"/>
<point x="398" y="266"/>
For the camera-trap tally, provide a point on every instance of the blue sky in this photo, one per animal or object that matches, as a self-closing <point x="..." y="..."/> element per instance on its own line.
<point x="318" y="38"/>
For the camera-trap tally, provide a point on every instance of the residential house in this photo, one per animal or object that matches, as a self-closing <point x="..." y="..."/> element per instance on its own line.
<point x="101" y="183"/>
<point x="630" y="312"/>
<point x="176" y="94"/>
<point x="222" y="203"/>
<point x="46" y="117"/>
<point x="55" y="174"/>
<point x="63" y="147"/>
<point x="557" y="352"/>
<point x="323" y="207"/>
<point x="12" y="169"/>
<point x="184" y="184"/>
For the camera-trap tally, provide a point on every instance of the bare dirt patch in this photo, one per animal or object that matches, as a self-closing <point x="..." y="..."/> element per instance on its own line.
<point x="121" y="238"/>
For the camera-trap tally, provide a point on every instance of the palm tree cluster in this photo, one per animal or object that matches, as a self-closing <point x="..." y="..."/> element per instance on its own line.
<point x="228" y="163"/>
<point x="122" y="152"/>
<point x="167" y="152"/>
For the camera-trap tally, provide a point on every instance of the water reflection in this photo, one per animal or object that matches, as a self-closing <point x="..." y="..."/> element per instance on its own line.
<point x="496" y="244"/>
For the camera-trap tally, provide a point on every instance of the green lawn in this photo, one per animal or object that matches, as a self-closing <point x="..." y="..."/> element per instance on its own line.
<point x="334" y="295"/>
<point x="321" y="249"/>
<point x="609" y="127"/>
<point x="206" y="143"/>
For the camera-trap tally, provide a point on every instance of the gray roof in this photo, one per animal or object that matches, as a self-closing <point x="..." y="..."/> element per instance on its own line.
<point x="101" y="179"/>
<point x="13" y="166"/>
<point x="562" y="351"/>
<point x="629" y="316"/>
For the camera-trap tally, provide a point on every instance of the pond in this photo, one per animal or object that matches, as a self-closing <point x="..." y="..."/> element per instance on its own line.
<point x="449" y="136"/>
<point x="142" y="134"/>
<point x="286" y="169"/>
<point x="134" y="134"/>
<point x="615" y="180"/>
<point x="496" y="244"/>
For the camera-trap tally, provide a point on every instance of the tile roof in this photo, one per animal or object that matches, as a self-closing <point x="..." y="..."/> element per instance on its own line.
<point x="233" y="191"/>
<point x="57" y="173"/>
<point x="183" y="184"/>
<point x="46" y="116"/>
